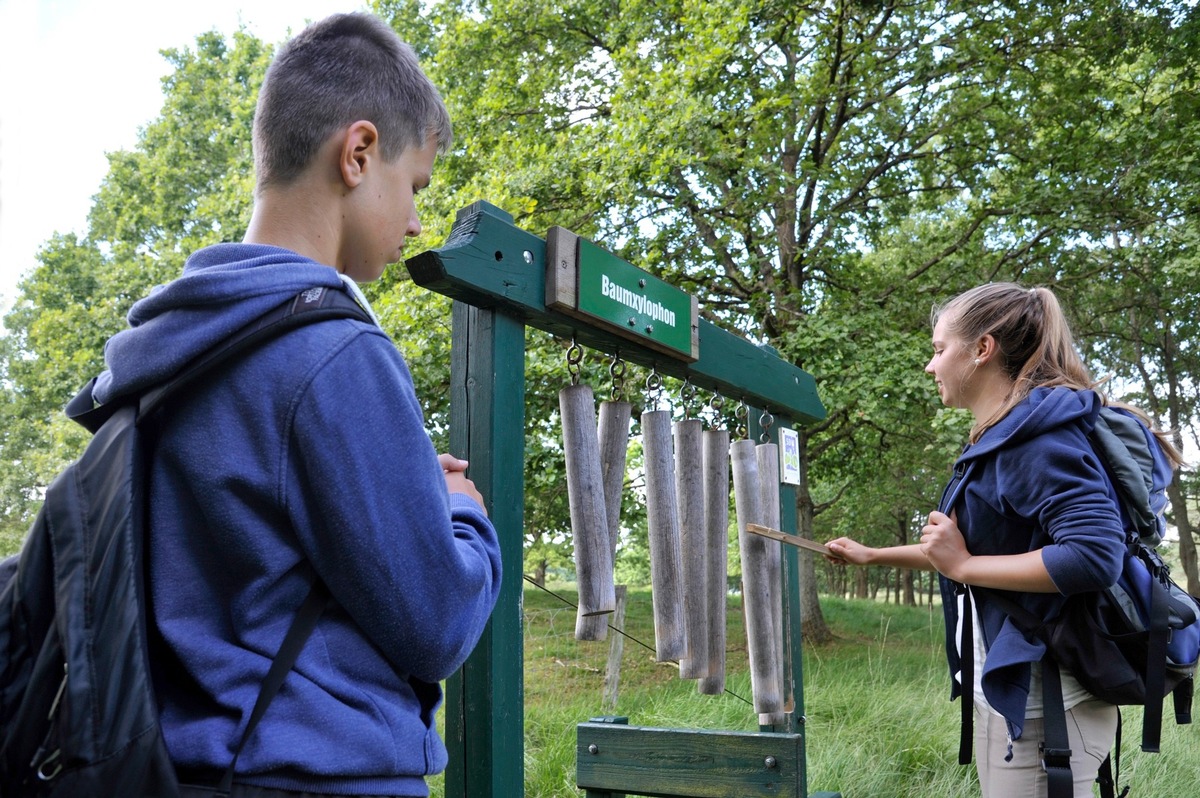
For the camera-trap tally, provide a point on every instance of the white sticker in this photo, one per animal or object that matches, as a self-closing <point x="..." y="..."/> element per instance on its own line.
<point x="789" y="461"/>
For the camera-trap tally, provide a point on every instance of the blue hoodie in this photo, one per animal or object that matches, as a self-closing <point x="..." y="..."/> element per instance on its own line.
<point x="308" y="455"/>
<point x="1033" y="482"/>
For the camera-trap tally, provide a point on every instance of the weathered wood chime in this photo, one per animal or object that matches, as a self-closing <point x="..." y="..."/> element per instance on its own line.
<point x="585" y="494"/>
<point x="767" y="454"/>
<point x="687" y="469"/>
<point x="662" y="528"/>
<point x="689" y="592"/>
<point x="758" y="599"/>
<point x="715" y="466"/>
<point x="689" y="497"/>
<point x="613" y="435"/>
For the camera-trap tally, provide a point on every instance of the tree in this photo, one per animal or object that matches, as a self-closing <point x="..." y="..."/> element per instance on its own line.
<point x="185" y="185"/>
<point x="818" y="173"/>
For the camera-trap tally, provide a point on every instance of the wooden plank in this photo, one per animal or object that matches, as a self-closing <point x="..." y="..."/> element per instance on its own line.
<point x="488" y="262"/>
<point x="791" y="540"/>
<point x="683" y="763"/>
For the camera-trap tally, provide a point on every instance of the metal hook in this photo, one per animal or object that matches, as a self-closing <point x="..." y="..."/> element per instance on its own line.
<point x="686" y="392"/>
<point x="765" y="421"/>
<point x="574" y="358"/>
<point x="616" y="370"/>
<point x="654" y="384"/>
<point x="741" y="414"/>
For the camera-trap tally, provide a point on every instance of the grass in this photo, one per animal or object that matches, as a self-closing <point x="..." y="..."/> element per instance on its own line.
<point x="878" y="720"/>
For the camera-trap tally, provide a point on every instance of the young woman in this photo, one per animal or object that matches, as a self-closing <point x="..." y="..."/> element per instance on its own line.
<point x="1031" y="511"/>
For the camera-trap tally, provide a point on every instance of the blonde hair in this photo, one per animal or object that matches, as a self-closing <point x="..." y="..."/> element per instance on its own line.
<point x="1034" y="342"/>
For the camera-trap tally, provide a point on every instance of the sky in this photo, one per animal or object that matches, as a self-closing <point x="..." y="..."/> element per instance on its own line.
<point x="78" y="79"/>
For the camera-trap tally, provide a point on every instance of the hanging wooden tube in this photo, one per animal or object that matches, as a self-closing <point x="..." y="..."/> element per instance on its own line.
<point x="716" y="558"/>
<point x="613" y="433"/>
<point x="756" y="590"/>
<point x="768" y="476"/>
<point x="662" y="521"/>
<point x="585" y="494"/>
<point x="689" y="498"/>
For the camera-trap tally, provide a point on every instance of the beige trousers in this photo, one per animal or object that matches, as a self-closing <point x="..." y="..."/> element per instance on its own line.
<point x="1091" y="729"/>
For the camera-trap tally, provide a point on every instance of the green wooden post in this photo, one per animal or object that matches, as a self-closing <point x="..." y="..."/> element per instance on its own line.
<point x="485" y="700"/>
<point x="792" y="632"/>
<point x="497" y="274"/>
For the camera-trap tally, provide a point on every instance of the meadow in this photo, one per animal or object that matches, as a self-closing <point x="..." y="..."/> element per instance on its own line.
<point x="879" y="722"/>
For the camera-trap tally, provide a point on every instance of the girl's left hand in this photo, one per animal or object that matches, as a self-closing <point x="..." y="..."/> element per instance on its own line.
<point x="943" y="544"/>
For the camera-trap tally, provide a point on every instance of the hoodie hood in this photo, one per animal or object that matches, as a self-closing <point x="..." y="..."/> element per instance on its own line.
<point x="1043" y="410"/>
<point x="223" y="288"/>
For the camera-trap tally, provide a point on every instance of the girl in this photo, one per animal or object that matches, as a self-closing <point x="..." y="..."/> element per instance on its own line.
<point x="1031" y="511"/>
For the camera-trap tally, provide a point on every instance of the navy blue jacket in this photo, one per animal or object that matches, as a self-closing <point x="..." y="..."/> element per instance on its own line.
<point x="1032" y="482"/>
<point x="309" y="455"/>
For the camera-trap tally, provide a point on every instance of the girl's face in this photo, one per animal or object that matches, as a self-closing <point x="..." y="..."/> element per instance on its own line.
<point x="952" y="366"/>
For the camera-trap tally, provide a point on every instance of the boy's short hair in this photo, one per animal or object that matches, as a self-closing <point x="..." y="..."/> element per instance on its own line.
<point x="335" y="72"/>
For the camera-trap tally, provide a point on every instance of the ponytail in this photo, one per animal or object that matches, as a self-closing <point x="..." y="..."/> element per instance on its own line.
<point x="1035" y="344"/>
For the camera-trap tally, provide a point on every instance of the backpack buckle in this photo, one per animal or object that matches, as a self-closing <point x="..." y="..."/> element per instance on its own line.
<point x="51" y="766"/>
<point x="1054" y="757"/>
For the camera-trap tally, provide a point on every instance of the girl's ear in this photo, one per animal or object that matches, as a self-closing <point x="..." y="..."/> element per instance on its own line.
<point x="986" y="349"/>
<point x="360" y="144"/>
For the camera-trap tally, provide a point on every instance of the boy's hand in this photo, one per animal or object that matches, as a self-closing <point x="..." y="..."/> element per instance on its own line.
<point x="455" y="471"/>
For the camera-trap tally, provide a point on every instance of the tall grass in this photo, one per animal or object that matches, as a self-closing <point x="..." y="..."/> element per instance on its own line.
<point x="879" y="723"/>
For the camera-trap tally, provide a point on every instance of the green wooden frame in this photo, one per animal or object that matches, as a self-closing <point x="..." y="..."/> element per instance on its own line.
<point x="496" y="273"/>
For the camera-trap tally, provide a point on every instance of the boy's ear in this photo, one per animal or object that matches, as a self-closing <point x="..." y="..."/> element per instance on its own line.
<point x="360" y="144"/>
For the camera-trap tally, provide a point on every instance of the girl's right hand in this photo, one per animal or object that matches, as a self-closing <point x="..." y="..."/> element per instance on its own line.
<point x="845" y="550"/>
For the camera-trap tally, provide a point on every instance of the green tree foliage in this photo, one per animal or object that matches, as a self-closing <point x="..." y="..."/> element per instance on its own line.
<point x="186" y="184"/>
<point x="818" y="173"/>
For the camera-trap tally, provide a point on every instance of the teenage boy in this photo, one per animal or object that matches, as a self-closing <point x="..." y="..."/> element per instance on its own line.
<point x="309" y="456"/>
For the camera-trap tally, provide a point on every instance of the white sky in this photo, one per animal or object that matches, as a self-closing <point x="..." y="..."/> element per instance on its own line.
<point x="78" y="79"/>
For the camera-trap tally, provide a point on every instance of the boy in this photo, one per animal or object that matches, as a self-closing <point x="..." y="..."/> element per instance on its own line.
<point x="309" y="456"/>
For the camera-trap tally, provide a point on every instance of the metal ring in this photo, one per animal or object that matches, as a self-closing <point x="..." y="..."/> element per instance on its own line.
<point x="574" y="358"/>
<point x="616" y="370"/>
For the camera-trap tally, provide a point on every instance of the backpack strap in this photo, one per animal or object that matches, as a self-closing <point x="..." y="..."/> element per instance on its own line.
<point x="1156" y="666"/>
<point x="311" y="305"/>
<point x="1056" y="740"/>
<point x="966" y="675"/>
<point x="293" y="642"/>
<point x="1110" y="769"/>
<point x="1055" y="747"/>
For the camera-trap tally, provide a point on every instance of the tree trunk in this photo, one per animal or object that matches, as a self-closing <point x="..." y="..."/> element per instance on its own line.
<point x="904" y="576"/>
<point x="1187" y="541"/>
<point x="812" y="620"/>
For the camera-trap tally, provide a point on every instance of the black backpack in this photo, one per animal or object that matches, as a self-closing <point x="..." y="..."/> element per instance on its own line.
<point x="78" y="715"/>
<point x="1131" y="644"/>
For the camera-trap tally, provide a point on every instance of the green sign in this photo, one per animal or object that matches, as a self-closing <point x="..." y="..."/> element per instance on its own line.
<point x="592" y="284"/>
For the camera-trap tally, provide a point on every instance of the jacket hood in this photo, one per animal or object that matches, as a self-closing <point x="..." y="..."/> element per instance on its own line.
<point x="1043" y="410"/>
<point x="223" y="288"/>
